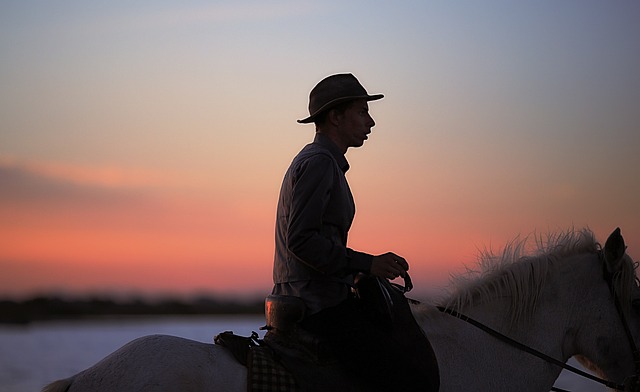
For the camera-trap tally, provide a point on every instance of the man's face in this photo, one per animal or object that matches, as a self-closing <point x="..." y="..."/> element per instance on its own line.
<point x="355" y="124"/>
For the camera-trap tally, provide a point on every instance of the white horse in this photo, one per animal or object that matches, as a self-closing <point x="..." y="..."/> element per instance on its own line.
<point x="555" y="301"/>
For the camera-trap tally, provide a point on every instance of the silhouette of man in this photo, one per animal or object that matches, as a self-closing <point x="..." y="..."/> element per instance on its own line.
<point x="315" y="211"/>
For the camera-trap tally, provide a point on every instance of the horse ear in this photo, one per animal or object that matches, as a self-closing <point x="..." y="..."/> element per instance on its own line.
<point x="614" y="250"/>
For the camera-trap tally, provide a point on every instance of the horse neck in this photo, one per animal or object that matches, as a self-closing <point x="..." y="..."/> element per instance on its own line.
<point x="550" y="328"/>
<point x="572" y="286"/>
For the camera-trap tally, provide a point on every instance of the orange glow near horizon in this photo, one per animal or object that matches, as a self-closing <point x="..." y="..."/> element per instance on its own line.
<point x="149" y="239"/>
<point x="152" y="240"/>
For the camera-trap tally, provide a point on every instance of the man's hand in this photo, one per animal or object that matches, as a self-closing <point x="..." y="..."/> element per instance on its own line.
<point x="389" y="266"/>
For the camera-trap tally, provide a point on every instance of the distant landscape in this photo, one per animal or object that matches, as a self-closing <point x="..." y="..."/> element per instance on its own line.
<point x="44" y="308"/>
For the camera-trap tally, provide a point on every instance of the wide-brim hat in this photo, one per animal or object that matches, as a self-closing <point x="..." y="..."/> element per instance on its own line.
<point x="334" y="90"/>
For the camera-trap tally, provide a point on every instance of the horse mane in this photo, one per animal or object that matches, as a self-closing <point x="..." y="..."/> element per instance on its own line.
<point x="517" y="273"/>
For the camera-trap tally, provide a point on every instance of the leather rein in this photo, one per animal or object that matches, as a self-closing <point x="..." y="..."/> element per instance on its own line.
<point x="631" y="384"/>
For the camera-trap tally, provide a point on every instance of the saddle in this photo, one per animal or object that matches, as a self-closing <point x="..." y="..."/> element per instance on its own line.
<point x="387" y="304"/>
<point x="314" y="368"/>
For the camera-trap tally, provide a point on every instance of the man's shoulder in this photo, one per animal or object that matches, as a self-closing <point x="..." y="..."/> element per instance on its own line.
<point x="314" y="162"/>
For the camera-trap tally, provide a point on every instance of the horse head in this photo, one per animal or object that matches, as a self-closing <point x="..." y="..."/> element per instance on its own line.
<point x="608" y="340"/>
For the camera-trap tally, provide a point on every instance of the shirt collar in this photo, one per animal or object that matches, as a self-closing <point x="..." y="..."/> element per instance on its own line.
<point x="325" y="142"/>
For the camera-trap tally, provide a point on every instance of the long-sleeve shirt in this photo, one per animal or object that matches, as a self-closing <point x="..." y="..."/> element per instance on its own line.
<point x="315" y="211"/>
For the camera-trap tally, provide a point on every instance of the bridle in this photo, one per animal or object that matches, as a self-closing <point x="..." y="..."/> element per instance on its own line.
<point x="631" y="384"/>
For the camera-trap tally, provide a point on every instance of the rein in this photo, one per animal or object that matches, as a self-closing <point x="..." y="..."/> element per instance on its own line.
<point x="631" y="384"/>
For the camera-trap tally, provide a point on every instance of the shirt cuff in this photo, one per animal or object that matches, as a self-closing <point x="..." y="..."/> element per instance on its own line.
<point x="359" y="261"/>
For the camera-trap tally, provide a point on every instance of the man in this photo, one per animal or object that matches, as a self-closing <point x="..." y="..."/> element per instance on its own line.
<point x="315" y="211"/>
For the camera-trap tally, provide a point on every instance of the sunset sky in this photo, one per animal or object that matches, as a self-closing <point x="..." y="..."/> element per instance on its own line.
<point x="143" y="143"/>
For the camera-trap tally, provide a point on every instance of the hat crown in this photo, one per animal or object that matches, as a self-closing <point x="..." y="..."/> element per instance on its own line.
<point x="333" y="90"/>
<point x="334" y="87"/>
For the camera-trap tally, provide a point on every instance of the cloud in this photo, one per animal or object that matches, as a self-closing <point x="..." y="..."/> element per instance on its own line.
<point x="31" y="182"/>
<point x="37" y="194"/>
<point x="92" y="176"/>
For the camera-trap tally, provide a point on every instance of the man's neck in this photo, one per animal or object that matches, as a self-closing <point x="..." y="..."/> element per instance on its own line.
<point x="335" y="151"/>
<point x="335" y="140"/>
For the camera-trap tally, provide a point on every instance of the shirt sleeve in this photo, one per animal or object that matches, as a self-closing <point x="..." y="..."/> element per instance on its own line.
<point x="311" y="192"/>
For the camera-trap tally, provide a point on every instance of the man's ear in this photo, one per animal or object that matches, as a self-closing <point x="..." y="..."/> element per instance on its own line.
<point x="334" y="117"/>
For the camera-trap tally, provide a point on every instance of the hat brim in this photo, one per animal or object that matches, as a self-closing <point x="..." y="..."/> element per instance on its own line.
<point x="335" y="102"/>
